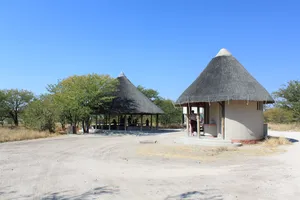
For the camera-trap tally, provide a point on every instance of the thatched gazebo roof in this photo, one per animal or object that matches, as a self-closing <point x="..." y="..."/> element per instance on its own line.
<point x="224" y="79"/>
<point x="129" y="100"/>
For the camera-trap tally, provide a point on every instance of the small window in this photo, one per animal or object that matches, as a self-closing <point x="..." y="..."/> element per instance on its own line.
<point x="260" y="106"/>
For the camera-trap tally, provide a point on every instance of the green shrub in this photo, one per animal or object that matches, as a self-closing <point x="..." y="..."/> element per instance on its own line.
<point x="278" y="115"/>
<point x="41" y="114"/>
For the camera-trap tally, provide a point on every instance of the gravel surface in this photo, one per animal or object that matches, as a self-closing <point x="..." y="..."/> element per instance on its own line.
<point x="109" y="167"/>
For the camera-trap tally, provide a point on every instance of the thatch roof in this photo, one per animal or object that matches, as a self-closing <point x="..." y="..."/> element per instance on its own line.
<point x="130" y="100"/>
<point x="224" y="79"/>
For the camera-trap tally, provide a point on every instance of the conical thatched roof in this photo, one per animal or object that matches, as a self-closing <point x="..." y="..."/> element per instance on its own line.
<point x="130" y="100"/>
<point x="224" y="79"/>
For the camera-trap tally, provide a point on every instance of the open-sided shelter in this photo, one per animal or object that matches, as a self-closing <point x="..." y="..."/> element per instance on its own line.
<point x="130" y="106"/>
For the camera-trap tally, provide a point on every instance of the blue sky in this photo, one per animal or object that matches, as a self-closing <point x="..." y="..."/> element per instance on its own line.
<point x="160" y="44"/>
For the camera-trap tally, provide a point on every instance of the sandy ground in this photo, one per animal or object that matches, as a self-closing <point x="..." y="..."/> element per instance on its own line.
<point x="108" y="167"/>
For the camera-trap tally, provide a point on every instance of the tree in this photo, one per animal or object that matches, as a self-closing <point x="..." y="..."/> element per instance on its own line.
<point x="3" y="109"/>
<point x="14" y="102"/>
<point x="150" y="93"/>
<point x="288" y="98"/>
<point x="172" y="115"/>
<point x="41" y="114"/>
<point x="3" y="115"/>
<point x="78" y="96"/>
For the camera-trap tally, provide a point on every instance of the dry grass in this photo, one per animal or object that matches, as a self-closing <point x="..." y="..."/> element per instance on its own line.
<point x="285" y="127"/>
<point x="17" y="134"/>
<point x="183" y="151"/>
<point x="207" y="154"/>
<point x="219" y="150"/>
<point x="276" y="141"/>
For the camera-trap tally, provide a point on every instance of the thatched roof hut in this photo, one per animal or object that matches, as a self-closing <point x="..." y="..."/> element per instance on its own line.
<point x="130" y="103"/>
<point x="224" y="79"/>
<point x="130" y="100"/>
<point x="232" y="99"/>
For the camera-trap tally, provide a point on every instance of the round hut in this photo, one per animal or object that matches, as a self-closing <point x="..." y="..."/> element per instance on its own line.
<point x="232" y="100"/>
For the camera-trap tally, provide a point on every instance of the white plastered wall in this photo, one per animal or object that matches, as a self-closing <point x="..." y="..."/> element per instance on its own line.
<point x="214" y="115"/>
<point x="242" y="121"/>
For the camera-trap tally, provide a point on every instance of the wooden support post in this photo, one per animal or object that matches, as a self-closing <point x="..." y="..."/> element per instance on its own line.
<point x="156" y="122"/>
<point x="151" y="122"/>
<point x="102" y="121"/>
<point x="125" y="122"/>
<point x="206" y="113"/>
<point x="188" y="119"/>
<point x="222" y="105"/>
<point x="96" y="122"/>
<point x="109" y="121"/>
<point x="118" y="122"/>
<point x="187" y="123"/>
<point x="198" y="121"/>
<point x="223" y="119"/>
<point x="141" y="125"/>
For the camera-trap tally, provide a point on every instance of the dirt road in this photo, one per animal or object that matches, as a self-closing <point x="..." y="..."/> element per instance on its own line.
<point x="100" y="167"/>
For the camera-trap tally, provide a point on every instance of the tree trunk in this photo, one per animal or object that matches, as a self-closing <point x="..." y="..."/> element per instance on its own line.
<point x="63" y="125"/>
<point x="74" y="128"/>
<point x="87" y="125"/>
<point x="83" y="127"/>
<point x="14" y="116"/>
<point x="51" y="130"/>
<point x="16" y="122"/>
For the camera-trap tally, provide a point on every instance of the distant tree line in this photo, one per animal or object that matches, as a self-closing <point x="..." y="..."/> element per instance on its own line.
<point x="172" y="116"/>
<point x="72" y="101"/>
<point x="287" y="104"/>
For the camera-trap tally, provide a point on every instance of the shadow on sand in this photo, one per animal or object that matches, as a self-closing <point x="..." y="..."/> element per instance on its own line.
<point x="197" y="195"/>
<point x="136" y="133"/>
<point x="6" y="190"/>
<point x="91" y="194"/>
<point x="292" y="140"/>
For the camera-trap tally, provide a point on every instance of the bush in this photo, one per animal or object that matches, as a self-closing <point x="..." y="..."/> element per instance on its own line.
<point x="278" y="115"/>
<point x="41" y="115"/>
<point x="172" y="115"/>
